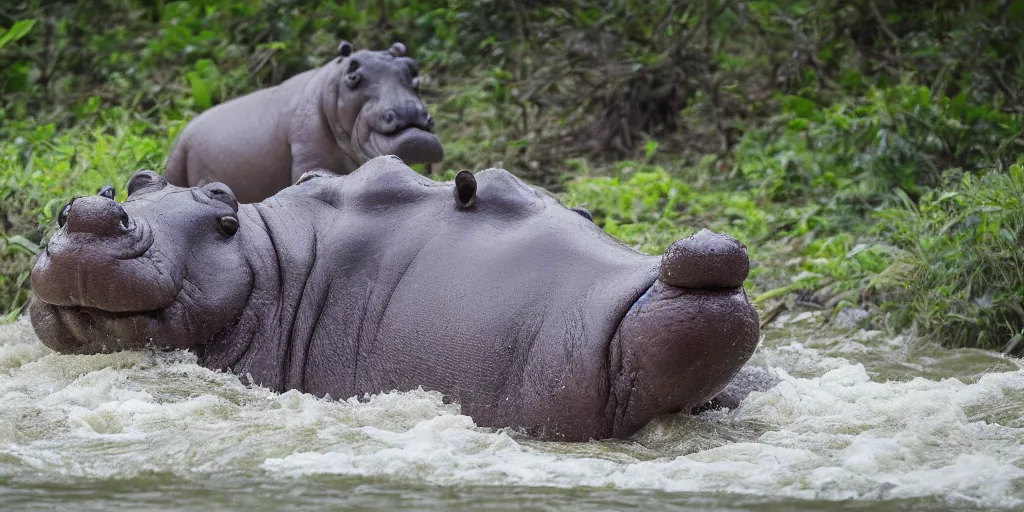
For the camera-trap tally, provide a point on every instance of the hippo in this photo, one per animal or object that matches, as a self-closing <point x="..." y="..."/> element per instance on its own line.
<point x="335" y="117"/>
<point x="519" y="309"/>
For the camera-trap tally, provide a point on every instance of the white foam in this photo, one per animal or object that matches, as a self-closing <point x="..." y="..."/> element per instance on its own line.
<point x="833" y="434"/>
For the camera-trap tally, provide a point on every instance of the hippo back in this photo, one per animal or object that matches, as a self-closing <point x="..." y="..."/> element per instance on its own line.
<point x="409" y="288"/>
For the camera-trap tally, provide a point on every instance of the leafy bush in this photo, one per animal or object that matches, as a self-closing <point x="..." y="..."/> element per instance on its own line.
<point x="854" y="153"/>
<point x="641" y="208"/>
<point x="172" y="57"/>
<point x="42" y="168"/>
<point x="960" y="271"/>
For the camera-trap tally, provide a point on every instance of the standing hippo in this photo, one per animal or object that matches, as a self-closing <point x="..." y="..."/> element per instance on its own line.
<point x="519" y="309"/>
<point x="336" y="117"/>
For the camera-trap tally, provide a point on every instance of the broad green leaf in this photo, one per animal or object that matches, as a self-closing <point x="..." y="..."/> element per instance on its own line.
<point x="19" y="30"/>
<point x="200" y="89"/>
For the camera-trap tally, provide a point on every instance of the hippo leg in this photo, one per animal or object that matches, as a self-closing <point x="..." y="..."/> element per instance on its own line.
<point x="748" y="380"/>
<point x="686" y="338"/>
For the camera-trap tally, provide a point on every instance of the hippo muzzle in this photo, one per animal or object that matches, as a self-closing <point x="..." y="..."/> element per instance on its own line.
<point x="100" y="258"/>
<point x="404" y="130"/>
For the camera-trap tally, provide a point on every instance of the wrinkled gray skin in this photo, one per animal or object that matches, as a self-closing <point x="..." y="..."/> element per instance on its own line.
<point x="748" y="380"/>
<point x="335" y="117"/>
<point x="519" y="309"/>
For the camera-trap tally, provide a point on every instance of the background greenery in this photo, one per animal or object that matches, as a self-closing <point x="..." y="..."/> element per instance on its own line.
<point x="868" y="152"/>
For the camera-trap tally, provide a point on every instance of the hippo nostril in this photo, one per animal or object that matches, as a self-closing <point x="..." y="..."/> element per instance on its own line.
<point x="389" y="117"/>
<point x="124" y="218"/>
<point x="107" y="191"/>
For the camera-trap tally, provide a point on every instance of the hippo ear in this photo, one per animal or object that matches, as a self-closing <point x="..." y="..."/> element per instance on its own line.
<point x="344" y="49"/>
<point x="221" y="192"/>
<point x="145" y="180"/>
<point x="315" y="173"/>
<point x="585" y="213"/>
<point x="397" y="50"/>
<point x="107" y="191"/>
<point x="465" y="189"/>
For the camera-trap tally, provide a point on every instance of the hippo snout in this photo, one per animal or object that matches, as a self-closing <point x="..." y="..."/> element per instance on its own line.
<point x="705" y="260"/>
<point x="99" y="215"/>
<point x="411" y="115"/>
<point x="690" y="333"/>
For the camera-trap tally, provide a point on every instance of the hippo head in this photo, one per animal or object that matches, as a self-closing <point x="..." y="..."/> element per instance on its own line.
<point x="158" y="268"/>
<point x="373" y="106"/>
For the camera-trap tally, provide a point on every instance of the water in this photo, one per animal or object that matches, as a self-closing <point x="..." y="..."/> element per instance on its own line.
<point x="858" y="422"/>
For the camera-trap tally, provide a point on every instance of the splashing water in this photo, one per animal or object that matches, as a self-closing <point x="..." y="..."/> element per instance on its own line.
<point x="857" y="420"/>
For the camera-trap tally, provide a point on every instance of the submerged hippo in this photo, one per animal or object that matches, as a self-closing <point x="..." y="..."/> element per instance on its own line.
<point x="357" y="106"/>
<point x="519" y="309"/>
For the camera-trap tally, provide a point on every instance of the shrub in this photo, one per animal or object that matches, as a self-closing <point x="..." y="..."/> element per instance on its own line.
<point x="856" y="152"/>
<point x="959" y="276"/>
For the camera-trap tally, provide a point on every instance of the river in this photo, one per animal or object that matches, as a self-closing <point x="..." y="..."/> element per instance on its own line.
<point x="859" y="421"/>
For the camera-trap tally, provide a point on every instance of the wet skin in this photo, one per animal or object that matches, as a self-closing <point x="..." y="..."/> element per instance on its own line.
<point x="336" y="117"/>
<point x="521" y="310"/>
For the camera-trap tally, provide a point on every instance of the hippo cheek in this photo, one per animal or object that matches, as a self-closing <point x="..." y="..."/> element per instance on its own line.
<point x="412" y="145"/>
<point x="77" y="275"/>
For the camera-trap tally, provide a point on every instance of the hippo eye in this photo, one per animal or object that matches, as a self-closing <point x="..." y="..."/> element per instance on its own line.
<point x="62" y="218"/>
<point x="414" y="67"/>
<point x="352" y="80"/>
<point x="220" y="192"/>
<point x="228" y="225"/>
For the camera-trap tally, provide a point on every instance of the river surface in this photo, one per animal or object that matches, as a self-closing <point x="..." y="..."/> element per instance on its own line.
<point x="859" y="421"/>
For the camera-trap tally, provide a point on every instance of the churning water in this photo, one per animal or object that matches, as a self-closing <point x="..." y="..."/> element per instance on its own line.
<point x="858" y="421"/>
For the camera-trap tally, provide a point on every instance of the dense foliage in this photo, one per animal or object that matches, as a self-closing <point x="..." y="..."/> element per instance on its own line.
<point x="864" y="150"/>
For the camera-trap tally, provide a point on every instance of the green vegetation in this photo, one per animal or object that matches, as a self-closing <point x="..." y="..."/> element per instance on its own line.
<point x="961" y="263"/>
<point x="867" y="152"/>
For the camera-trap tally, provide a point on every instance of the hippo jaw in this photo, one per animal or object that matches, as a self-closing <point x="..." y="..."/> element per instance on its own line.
<point x="119" y="277"/>
<point x="412" y="145"/>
